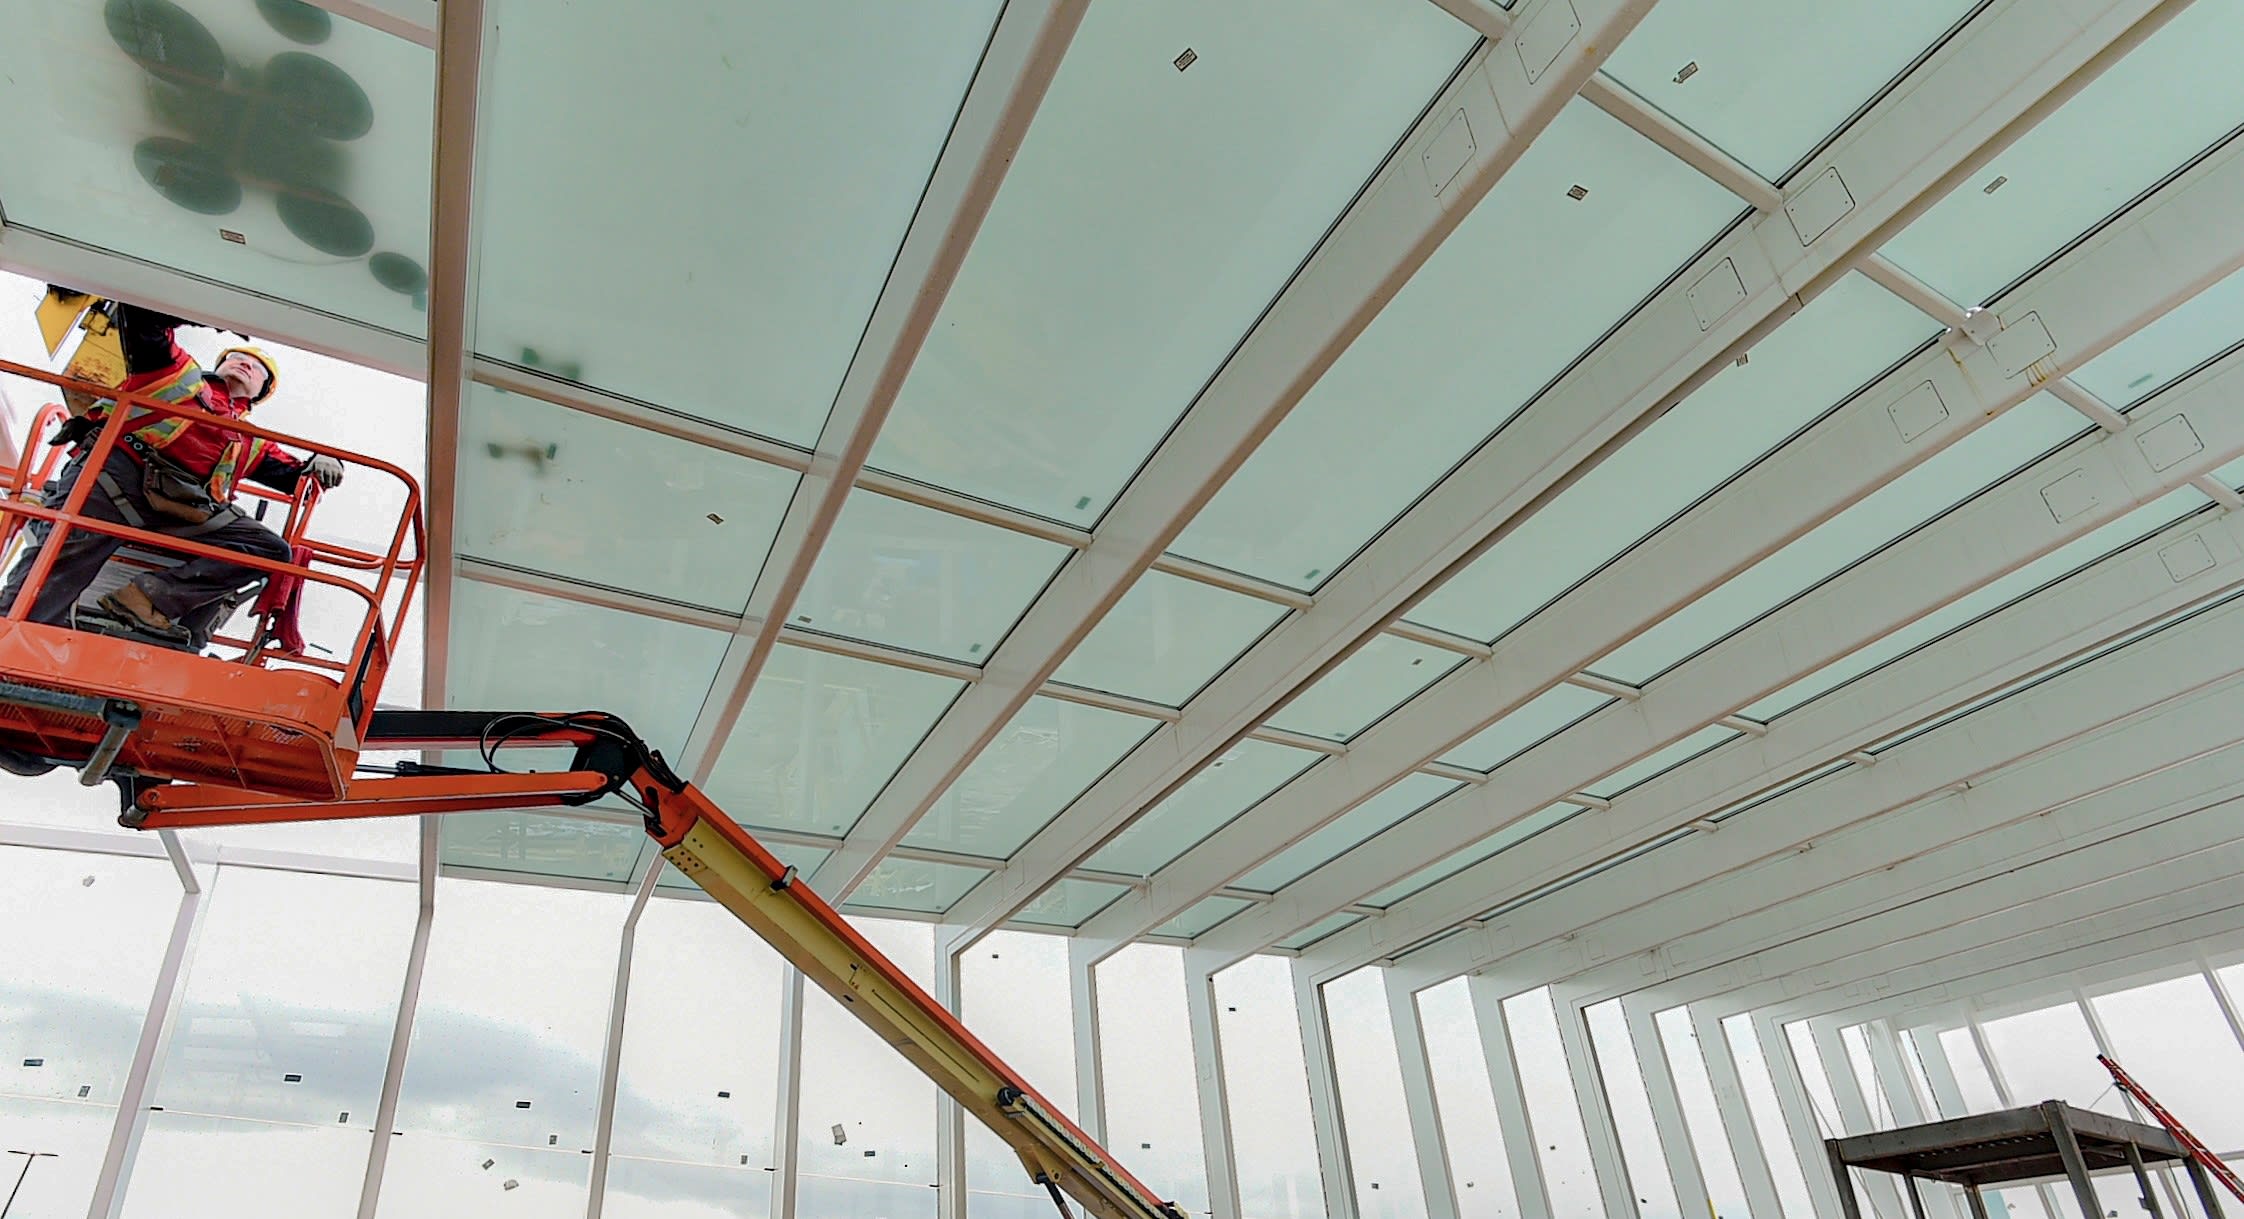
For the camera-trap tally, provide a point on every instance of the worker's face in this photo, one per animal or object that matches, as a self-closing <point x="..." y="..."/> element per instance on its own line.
<point x="244" y="377"/>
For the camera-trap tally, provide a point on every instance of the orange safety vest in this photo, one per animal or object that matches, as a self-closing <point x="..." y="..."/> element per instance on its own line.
<point x="186" y="385"/>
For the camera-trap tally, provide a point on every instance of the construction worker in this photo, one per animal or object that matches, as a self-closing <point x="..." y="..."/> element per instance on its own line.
<point x="172" y="476"/>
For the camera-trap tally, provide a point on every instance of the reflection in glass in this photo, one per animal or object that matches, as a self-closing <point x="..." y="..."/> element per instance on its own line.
<point x="1146" y="1068"/>
<point x="1382" y="1159"/>
<point x="1058" y="363"/>
<point x="1265" y="1079"/>
<point x="911" y="577"/>
<point x="1448" y="360"/>
<point x="821" y="735"/>
<point x="1479" y="1167"/>
<point x="1041" y="761"/>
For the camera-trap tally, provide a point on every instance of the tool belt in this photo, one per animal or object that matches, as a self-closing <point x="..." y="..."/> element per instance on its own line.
<point x="169" y="491"/>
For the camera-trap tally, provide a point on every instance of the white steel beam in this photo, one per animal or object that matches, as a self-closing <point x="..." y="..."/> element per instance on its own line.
<point x="147" y="1060"/>
<point x="2003" y="874"/>
<point x="1677" y="1144"/>
<point x="1024" y="54"/>
<point x="1854" y="1112"/>
<point x="1737" y="1116"/>
<point x="58" y="260"/>
<point x="1090" y="1077"/>
<point x="1335" y="1174"/>
<point x="950" y="1116"/>
<point x="1212" y="1092"/>
<point x="1511" y="1099"/>
<point x="2004" y="70"/>
<point x="786" y="1139"/>
<point x="611" y="1052"/>
<point x="1846" y="826"/>
<point x="1386" y="235"/>
<point x="2101" y="291"/>
<point x="401" y="1032"/>
<point x="1606" y="1162"/>
<point x="1435" y="1181"/>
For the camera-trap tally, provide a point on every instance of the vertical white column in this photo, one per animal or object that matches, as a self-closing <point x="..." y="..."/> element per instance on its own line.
<point x="1798" y="1113"/>
<point x="401" y="1034"/>
<point x="1737" y="1116"/>
<point x="950" y="1116"/>
<point x="1083" y="995"/>
<point x="611" y="1052"/>
<point x="147" y="1059"/>
<point x="1892" y="1078"/>
<point x="1854" y="1113"/>
<point x="1212" y="1093"/>
<point x="1676" y="1144"/>
<point x="2001" y="1083"/>
<point x="1426" y="1139"/>
<point x="1597" y="1117"/>
<point x="786" y="1134"/>
<point x="1337" y="1177"/>
<point x="1511" y="1100"/>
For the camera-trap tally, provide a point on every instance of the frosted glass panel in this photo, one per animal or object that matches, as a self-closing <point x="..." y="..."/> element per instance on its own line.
<point x="1766" y="80"/>
<point x="1658" y="763"/>
<point x="1990" y="454"/>
<point x="1352" y="828"/>
<point x="1207" y="801"/>
<point x="1202" y="915"/>
<point x="1436" y="373"/>
<point x="556" y="490"/>
<point x="1382" y="1158"/>
<point x="1840" y="342"/>
<point x="2168" y="99"/>
<point x="1539" y="717"/>
<point x="724" y="286"/>
<point x="1041" y="761"/>
<point x="1273" y="1141"/>
<point x="2145" y="362"/>
<point x="914" y="884"/>
<point x="165" y="132"/>
<point x="911" y="577"/>
<point x="1167" y="638"/>
<point x="1068" y="903"/>
<point x="1374" y="680"/>
<point x="1323" y="928"/>
<point x="821" y="735"/>
<point x="1220" y="176"/>
<point x="192" y="1166"/>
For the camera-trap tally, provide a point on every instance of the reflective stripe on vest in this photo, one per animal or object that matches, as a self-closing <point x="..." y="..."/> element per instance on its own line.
<point x="184" y="386"/>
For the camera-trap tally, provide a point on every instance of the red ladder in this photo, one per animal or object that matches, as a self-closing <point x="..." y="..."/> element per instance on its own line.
<point x="2197" y="1150"/>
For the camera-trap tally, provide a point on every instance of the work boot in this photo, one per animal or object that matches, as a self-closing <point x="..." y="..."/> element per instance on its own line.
<point x="130" y="605"/>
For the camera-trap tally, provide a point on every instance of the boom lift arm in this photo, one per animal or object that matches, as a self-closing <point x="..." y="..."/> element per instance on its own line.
<point x="724" y="859"/>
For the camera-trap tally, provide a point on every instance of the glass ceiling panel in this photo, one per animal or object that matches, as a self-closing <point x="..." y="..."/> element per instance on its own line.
<point x="1357" y="825"/>
<point x="1530" y="279"/>
<point x="2144" y="117"/>
<point x="1330" y="925"/>
<point x="1204" y="187"/>
<point x="2150" y="359"/>
<point x="1539" y="717"/>
<point x="514" y="650"/>
<point x="1040" y="762"/>
<point x="821" y="735"/>
<point x="1767" y="80"/>
<point x="734" y="286"/>
<point x="543" y="844"/>
<point x="1988" y="598"/>
<point x="1069" y="903"/>
<point x="156" y="129"/>
<point x="1665" y="760"/>
<point x="1207" y="801"/>
<point x="1843" y="340"/>
<point x="914" y="884"/>
<point x="1502" y="840"/>
<point x="1374" y="680"/>
<point x="911" y="577"/>
<point x="560" y="491"/>
<point x="1987" y="456"/>
<point x="1166" y="638"/>
<point x="1203" y="915"/>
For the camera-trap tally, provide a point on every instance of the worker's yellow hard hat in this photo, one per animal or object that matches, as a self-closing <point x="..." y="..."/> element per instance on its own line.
<point x="272" y="372"/>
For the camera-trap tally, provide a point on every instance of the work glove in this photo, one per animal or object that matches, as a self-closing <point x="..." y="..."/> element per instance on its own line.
<point x="326" y="471"/>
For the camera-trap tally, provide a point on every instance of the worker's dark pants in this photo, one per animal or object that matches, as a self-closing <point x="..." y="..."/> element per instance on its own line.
<point x="175" y="592"/>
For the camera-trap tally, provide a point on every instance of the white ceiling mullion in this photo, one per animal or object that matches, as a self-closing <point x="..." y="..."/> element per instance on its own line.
<point x="2097" y="295"/>
<point x="412" y="20"/>
<point x="1024" y="54"/>
<point x="1999" y="69"/>
<point x="1386" y="235"/>
<point x="2166" y="680"/>
<point x="2117" y="595"/>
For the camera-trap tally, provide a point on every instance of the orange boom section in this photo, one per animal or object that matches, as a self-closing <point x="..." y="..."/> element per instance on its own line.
<point x="239" y="710"/>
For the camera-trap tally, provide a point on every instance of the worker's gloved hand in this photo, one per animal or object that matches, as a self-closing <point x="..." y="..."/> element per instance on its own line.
<point x="325" y="470"/>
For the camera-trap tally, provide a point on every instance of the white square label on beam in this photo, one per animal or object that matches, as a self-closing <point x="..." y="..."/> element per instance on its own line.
<point x="1815" y="207"/>
<point x="1540" y="38"/>
<point x="1918" y="411"/>
<point x="1448" y="153"/>
<point x="2069" y="496"/>
<point x="2169" y="444"/>
<point x="1716" y="293"/>
<point x="2020" y="345"/>
<point x="2186" y="558"/>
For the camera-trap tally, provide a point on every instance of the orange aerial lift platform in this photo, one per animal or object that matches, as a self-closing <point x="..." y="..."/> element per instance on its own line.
<point x="244" y="729"/>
